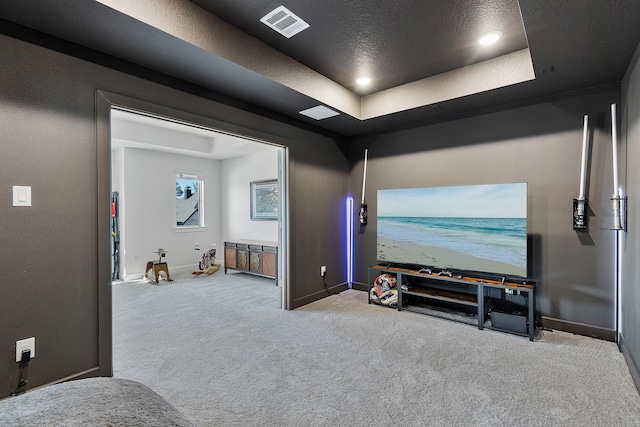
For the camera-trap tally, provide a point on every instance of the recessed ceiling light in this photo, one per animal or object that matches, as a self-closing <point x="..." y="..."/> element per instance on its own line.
<point x="489" y="38"/>
<point x="362" y="81"/>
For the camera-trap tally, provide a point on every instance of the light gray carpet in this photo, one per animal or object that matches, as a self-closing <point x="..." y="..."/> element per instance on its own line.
<point x="220" y="350"/>
<point x="111" y="402"/>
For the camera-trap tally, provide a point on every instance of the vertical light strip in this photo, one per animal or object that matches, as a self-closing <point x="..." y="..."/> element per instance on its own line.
<point x="618" y="275"/>
<point x="618" y="286"/>
<point x="349" y="238"/>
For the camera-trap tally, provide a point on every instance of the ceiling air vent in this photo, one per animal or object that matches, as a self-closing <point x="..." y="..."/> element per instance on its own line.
<point x="319" y="113"/>
<point x="284" y="21"/>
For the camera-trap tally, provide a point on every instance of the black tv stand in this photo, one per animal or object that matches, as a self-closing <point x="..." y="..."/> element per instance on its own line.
<point x="471" y="292"/>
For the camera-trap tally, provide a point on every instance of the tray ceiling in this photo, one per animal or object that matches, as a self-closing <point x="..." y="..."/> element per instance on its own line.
<point x="422" y="57"/>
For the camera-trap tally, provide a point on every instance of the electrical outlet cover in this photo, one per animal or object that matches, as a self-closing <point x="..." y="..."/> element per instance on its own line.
<point x="25" y="344"/>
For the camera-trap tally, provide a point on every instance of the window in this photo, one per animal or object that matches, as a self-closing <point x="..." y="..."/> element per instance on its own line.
<point x="189" y="200"/>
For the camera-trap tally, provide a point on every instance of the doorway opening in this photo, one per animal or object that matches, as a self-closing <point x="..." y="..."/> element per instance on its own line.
<point x="153" y="138"/>
<point x="212" y="174"/>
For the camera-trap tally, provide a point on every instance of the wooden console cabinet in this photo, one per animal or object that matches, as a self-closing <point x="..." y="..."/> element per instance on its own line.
<point x="471" y="292"/>
<point x="252" y="257"/>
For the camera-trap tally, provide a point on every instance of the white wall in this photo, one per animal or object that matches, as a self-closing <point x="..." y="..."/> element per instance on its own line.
<point x="145" y="181"/>
<point x="148" y="210"/>
<point x="236" y="176"/>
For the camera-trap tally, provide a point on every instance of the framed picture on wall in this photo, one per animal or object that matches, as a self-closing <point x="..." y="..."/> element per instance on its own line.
<point x="264" y="200"/>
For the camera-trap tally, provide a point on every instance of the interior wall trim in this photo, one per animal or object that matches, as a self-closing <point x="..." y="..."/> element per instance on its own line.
<point x="87" y="373"/>
<point x="565" y="326"/>
<point x="359" y="286"/>
<point x="631" y="363"/>
<point x="579" y="328"/>
<point x="320" y="295"/>
<point x="103" y="230"/>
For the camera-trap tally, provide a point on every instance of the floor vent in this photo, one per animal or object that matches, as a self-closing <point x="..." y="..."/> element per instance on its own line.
<point x="284" y="21"/>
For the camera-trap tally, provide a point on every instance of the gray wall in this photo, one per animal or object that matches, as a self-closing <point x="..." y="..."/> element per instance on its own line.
<point x="539" y="144"/>
<point x="52" y="285"/>
<point x="52" y="255"/>
<point x="630" y="276"/>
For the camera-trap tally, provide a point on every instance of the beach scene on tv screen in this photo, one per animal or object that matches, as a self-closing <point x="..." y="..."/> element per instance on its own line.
<point x="478" y="227"/>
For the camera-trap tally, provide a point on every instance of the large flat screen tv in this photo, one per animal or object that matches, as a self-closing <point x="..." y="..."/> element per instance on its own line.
<point x="478" y="228"/>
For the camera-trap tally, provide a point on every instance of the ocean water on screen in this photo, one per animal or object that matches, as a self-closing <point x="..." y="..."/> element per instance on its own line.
<point x="497" y="239"/>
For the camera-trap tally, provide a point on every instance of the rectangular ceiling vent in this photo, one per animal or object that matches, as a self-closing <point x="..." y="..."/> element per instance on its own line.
<point x="319" y="113"/>
<point x="284" y="21"/>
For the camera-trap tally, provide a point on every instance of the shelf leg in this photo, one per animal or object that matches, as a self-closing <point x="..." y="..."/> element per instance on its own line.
<point x="369" y="285"/>
<point x="532" y="315"/>
<point x="480" y="306"/>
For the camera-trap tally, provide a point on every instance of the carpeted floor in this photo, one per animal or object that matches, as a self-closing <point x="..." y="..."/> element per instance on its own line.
<point x="222" y="353"/>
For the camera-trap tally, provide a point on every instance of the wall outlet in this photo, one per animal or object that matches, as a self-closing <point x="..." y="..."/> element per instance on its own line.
<point x="323" y="270"/>
<point x="23" y="345"/>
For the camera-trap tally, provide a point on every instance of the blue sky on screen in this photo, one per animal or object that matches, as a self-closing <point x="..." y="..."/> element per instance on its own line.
<point x="479" y="201"/>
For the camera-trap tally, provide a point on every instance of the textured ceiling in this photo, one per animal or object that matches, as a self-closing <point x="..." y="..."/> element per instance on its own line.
<point x="394" y="42"/>
<point x="220" y="46"/>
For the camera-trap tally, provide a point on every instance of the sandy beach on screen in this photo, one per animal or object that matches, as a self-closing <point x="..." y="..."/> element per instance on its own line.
<point x="413" y="253"/>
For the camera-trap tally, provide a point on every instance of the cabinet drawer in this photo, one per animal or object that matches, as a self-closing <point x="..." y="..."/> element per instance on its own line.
<point x="243" y="259"/>
<point x="269" y="264"/>
<point x="255" y="262"/>
<point x="230" y="260"/>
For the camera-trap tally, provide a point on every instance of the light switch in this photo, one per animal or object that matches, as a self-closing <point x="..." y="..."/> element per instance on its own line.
<point x="21" y="195"/>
